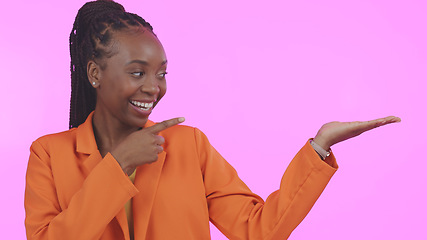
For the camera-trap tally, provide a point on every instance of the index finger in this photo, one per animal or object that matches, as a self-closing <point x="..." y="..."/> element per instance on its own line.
<point x="155" y="129"/>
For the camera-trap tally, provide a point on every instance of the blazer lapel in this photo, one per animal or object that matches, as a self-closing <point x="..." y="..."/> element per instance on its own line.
<point x="146" y="180"/>
<point x="86" y="144"/>
<point x="123" y="222"/>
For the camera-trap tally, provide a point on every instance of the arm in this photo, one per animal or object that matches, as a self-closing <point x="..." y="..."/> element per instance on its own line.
<point x="240" y="214"/>
<point x="103" y="193"/>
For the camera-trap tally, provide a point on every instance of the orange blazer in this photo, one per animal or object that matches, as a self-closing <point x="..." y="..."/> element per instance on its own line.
<point x="72" y="193"/>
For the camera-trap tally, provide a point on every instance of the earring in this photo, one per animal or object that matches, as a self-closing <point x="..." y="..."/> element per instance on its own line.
<point x="94" y="83"/>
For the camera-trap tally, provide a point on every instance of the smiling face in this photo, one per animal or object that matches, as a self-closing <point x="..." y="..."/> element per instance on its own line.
<point x="132" y="81"/>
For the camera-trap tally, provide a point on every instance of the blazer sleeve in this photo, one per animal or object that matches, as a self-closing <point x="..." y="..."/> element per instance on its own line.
<point x="241" y="214"/>
<point x="103" y="193"/>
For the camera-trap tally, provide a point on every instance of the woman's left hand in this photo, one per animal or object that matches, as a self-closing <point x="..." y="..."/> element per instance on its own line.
<point x="335" y="132"/>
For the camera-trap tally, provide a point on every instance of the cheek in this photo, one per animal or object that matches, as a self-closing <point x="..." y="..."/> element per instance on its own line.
<point x="163" y="88"/>
<point x="117" y="87"/>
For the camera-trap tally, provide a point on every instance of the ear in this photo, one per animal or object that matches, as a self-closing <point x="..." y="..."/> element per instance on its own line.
<point x="94" y="73"/>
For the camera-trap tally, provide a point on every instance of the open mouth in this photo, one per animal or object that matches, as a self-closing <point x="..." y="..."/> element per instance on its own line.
<point x="142" y="106"/>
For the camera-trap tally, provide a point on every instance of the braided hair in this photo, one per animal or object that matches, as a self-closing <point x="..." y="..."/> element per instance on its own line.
<point x="90" y="39"/>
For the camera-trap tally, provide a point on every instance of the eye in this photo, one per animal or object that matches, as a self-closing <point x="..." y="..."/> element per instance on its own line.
<point x="163" y="74"/>
<point x="138" y="74"/>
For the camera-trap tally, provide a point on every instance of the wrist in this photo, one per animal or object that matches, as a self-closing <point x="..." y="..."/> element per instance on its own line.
<point x="128" y="171"/>
<point x="323" y="154"/>
<point x="322" y="143"/>
<point x="127" y="168"/>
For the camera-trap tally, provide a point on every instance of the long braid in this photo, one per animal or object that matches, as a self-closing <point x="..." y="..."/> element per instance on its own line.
<point x="89" y="40"/>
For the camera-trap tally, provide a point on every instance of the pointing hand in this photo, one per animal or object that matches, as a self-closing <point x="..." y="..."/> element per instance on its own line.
<point x="143" y="146"/>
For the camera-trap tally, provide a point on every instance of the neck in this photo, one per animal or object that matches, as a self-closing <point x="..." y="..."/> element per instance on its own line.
<point x="109" y="131"/>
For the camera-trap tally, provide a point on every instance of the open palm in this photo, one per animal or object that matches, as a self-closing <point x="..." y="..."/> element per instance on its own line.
<point x="335" y="132"/>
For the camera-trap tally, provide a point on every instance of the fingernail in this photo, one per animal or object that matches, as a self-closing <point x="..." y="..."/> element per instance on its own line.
<point x="181" y="119"/>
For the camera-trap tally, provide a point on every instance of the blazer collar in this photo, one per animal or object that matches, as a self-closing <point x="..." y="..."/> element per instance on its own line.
<point x="85" y="137"/>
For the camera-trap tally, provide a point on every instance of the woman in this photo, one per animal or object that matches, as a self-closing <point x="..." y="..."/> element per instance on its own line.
<point x="117" y="175"/>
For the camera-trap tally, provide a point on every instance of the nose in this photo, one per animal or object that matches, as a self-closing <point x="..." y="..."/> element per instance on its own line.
<point x="150" y="86"/>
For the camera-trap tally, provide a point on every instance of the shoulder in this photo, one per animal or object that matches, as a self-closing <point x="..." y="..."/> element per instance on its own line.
<point x="179" y="133"/>
<point x="66" y="136"/>
<point x="56" y="139"/>
<point x="181" y="138"/>
<point x="183" y="132"/>
<point x="185" y="136"/>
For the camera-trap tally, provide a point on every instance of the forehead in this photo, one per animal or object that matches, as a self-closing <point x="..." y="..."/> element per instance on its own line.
<point x="138" y="44"/>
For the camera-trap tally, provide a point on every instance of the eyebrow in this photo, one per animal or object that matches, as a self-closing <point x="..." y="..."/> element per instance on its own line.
<point x="144" y="62"/>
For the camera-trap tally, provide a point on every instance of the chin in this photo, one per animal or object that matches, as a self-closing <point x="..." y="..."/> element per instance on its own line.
<point x="140" y="123"/>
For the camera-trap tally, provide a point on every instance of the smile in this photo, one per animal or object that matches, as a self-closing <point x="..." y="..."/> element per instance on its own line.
<point x="143" y="106"/>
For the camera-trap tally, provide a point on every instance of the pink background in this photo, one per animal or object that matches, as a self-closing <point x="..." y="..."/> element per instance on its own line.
<point x="259" y="78"/>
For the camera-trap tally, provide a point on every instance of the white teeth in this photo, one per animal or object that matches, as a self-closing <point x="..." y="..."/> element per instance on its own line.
<point x="143" y="106"/>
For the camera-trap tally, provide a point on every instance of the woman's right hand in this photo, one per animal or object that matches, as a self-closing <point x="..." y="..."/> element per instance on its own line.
<point x="142" y="146"/>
